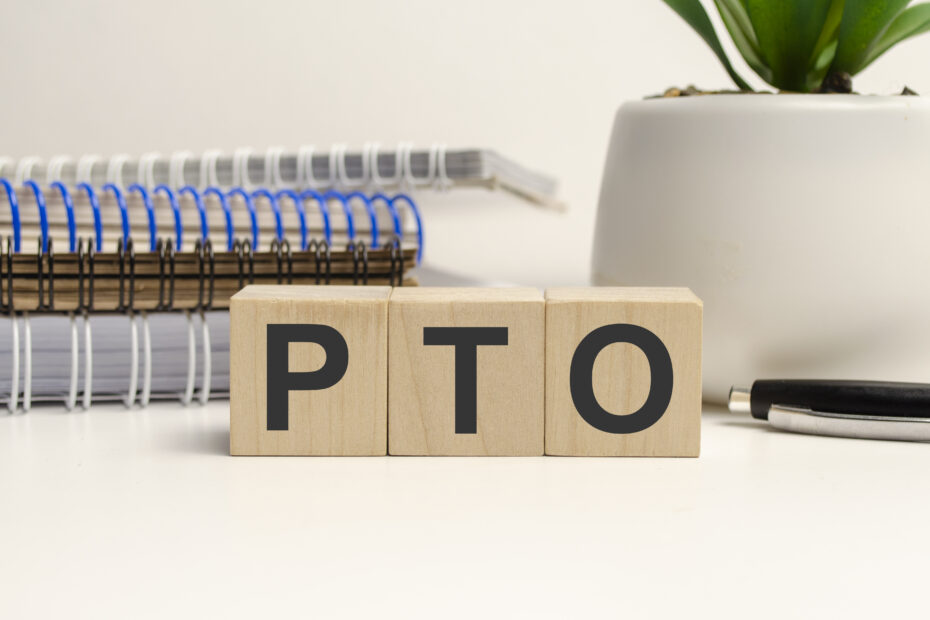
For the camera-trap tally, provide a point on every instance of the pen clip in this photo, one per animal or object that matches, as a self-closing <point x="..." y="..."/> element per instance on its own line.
<point x="849" y="424"/>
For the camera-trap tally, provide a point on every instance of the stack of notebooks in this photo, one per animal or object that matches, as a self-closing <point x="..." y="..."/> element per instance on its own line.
<point x="116" y="274"/>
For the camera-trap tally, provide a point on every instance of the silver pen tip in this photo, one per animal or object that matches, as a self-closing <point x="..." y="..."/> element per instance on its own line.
<point x="739" y="400"/>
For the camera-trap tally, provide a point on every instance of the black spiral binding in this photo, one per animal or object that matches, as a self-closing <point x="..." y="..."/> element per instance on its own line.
<point x="42" y="259"/>
<point x="321" y="254"/>
<point x="359" y="257"/>
<point x="245" y="256"/>
<point x="282" y="251"/>
<point x="166" y="274"/>
<point x="91" y="254"/>
<point x="6" y="306"/>
<point x="45" y="276"/>
<point x="206" y="268"/>
<point x="397" y="262"/>
<point x="127" y="254"/>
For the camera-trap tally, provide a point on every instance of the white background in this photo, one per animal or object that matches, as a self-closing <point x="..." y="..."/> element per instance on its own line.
<point x="140" y="514"/>
<point x="538" y="81"/>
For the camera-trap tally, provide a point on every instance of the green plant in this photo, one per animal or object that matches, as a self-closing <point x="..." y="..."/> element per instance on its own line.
<point x="801" y="45"/>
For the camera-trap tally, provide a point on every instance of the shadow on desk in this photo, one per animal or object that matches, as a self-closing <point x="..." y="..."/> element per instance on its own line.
<point x="720" y="415"/>
<point x="202" y="441"/>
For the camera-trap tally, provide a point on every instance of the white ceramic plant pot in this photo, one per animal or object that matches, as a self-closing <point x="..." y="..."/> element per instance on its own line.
<point x="802" y="221"/>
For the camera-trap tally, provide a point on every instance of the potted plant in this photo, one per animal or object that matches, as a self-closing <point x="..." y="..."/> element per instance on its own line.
<point x="802" y="218"/>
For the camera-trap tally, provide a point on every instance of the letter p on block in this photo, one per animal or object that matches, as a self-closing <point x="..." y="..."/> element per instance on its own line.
<point x="308" y="370"/>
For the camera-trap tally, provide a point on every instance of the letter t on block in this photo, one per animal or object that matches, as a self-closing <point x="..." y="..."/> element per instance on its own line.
<point x="623" y="372"/>
<point x="308" y="370"/>
<point x="466" y="371"/>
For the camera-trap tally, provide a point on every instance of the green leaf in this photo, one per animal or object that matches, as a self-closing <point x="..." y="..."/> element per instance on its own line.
<point x="910" y="23"/>
<point x="863" y="23"/>
<point x="788" y="32"/>
<point x="693" y="12"/>
<point x="737" y="22"/>
<point x="825" y="49"/>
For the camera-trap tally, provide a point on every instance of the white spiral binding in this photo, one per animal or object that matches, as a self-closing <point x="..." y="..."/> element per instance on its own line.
<point x="208" y="175"/>
<point x="240" y="165"/>
<point x="146" y="171"/>
<point x="375" y="180"/>
<point x="71" y="400"/>
<point x="85" y="168"/>
<point x="332" y="180"/>
<point x="405" y="177"/>
<point x="147" y="360"/>
<point x="27" y="362"/>
<point x="378" y="181"/>
<point x="115" y="169"/>
<point x="430" y="178"/>
<point x="130" y="398"/>
<point x="88" y="395"/>
<point x="188" y="394"/>
<point x="338" y="177"/>
<point x="410" y="180"/>
<point x="305" y="176"/>
<point x="273" y="167"/>
<point x="338" y="153"/>
<point x="55" y="167"/>
<point x="24" y="169"/>
<point x="442" y="182"/>
<point x="207" y="360"/>
<point x="176" y="168"/>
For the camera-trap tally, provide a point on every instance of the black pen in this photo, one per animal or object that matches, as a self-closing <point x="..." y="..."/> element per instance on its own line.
<point x="860" y="409"/>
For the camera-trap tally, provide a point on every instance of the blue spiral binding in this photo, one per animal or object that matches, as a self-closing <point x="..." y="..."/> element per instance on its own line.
<point x="69" y="214"/>
<point x="123" y="211"/>
<point x="275" y="209"/>
<point x="301" y="213"/>
<point x="238" y="191"/>
<point x="150" y="211"/>
<point x="350" y="221"/>
<point x="416" y="216"/>
<point x="227" y="214"/>
<point x="176" y="207"/>
<point x="95" y="207"/>
<point x="43" y="213"/>
<point x="312" y="194"/>
<point x="14" y="214"/>
<point x="395" y="216"/>
<point x="204" y="225"/>
<point x="390" y="202"/>
<point x="371" y="214"/>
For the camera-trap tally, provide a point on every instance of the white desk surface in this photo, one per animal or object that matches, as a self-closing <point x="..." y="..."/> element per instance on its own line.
<point x="116" y="513"/>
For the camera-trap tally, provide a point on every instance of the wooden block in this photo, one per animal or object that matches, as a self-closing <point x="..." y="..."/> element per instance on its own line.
<point x="464" y="399"/>
<point x="308" y="370"/>
<point x="642" y="392"/>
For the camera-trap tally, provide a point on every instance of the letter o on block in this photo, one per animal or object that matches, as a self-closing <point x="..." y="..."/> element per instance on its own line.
<point x="623" y="372"/>
<point x="660" y="384"/>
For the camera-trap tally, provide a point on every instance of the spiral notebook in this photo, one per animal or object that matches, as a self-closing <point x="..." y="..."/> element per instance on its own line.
<point x="115" y="274"/>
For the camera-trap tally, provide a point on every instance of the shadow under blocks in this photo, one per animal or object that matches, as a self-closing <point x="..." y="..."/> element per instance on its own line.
<point x="352" y="371"/>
